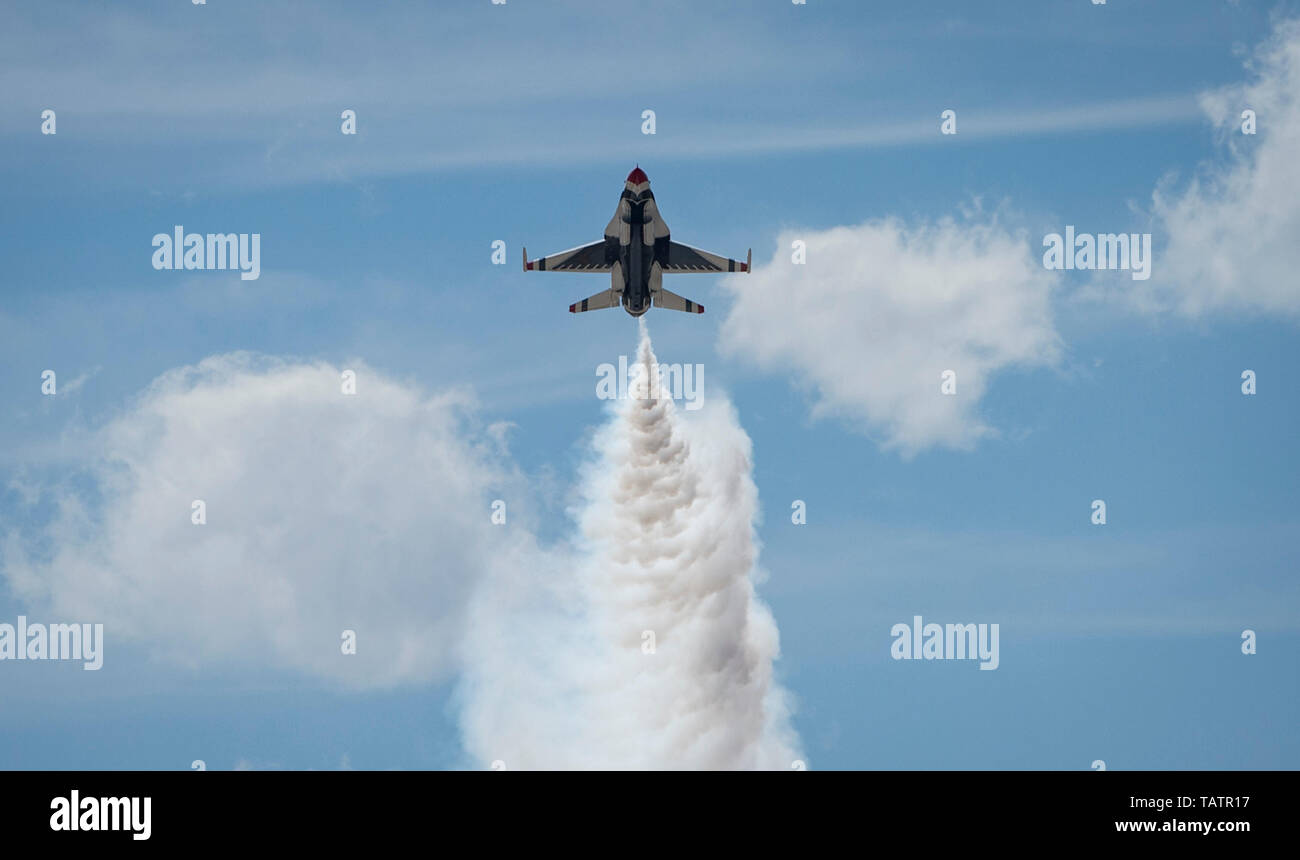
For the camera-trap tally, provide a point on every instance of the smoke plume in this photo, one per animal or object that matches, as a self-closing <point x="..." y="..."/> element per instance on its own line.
<point x="650" y="648"/>
<point x="639" y="643"/>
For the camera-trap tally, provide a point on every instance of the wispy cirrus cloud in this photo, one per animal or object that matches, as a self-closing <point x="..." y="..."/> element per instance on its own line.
<point x="250" y="82"/>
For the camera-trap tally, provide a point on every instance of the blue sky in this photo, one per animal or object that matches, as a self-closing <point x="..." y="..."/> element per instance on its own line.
<point x="519" y="122"/>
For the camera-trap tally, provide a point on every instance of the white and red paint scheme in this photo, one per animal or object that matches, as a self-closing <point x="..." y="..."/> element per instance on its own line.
<point x="637" y="252"/>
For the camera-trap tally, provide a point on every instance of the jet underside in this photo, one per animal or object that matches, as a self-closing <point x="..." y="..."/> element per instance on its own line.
<point x="636" y="251"/>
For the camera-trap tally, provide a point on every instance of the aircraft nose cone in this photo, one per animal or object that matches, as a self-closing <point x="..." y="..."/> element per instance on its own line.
<point x="637" y="176"/>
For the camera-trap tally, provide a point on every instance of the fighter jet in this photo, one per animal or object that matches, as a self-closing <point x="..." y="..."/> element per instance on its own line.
<point x="637" y="253"/>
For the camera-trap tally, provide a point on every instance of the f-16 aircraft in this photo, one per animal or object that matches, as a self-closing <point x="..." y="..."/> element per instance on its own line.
<point x="637" y="252"/>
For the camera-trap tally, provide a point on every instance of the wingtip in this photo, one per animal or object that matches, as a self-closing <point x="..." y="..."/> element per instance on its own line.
<point x="699" y="309"/>
<point x="573" y="308"/>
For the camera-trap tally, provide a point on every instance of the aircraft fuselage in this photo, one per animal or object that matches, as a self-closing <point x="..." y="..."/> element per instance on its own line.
<point x="635" y="259"/>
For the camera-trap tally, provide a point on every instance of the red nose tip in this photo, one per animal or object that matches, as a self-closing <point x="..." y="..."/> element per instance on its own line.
<point x="637" y="176"/>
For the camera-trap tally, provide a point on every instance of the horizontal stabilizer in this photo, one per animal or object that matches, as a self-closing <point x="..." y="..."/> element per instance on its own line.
<point x="674" y="302"/>
<point x="602" y="299"/>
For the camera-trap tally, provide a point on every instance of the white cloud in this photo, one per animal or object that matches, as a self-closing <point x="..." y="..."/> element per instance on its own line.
<point x="371" y="512"/>
<point x="880" y="311"/>
<point x="75" y="385"/>
<point x="325" y="512"/>
<point x="1233" y="233"/>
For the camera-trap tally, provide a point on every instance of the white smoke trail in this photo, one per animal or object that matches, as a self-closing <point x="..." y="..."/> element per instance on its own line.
<point x="648" y="647"/>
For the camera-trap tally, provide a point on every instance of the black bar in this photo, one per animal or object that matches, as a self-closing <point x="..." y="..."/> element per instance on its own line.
<point x="208" y="809"/>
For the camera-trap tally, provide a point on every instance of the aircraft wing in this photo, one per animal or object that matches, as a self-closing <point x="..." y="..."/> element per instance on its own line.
<point x="683" y="259"/>
<point x="586" y="258"/>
